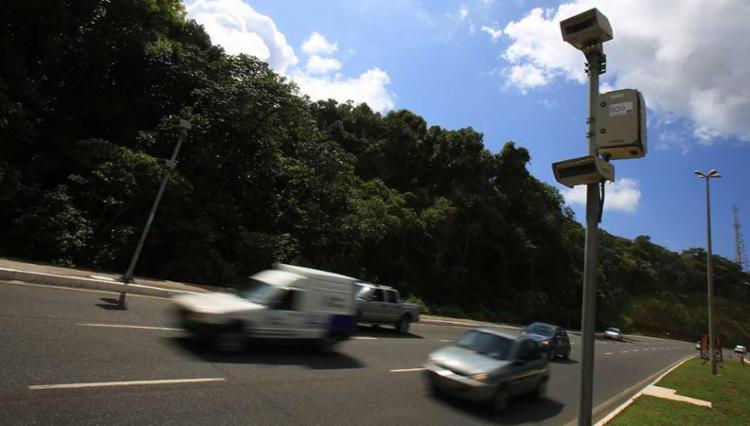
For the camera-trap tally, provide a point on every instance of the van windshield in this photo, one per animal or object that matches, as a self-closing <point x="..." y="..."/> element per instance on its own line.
<point x="259" y="292"/>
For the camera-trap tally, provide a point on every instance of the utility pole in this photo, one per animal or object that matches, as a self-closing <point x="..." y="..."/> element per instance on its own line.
<point x="739" y="243"/>
<point x="712" y="174"/>
<point x="171" y="163"/>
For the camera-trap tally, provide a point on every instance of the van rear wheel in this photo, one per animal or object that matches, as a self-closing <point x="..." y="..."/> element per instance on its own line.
<point x="403" y="324"/>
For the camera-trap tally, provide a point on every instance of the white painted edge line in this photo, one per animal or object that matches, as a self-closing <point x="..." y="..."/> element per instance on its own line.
<point x="404" y="370"/>
<point x="136" y="327"/>
<point x="101" y="277"/>
<point x="364" y="338"/>
<point x="625" y="404"/>
<point x="128" y="383"/>
<point x="446" y="340"/>
<point x="608" y="353"/>
<point x="84" y="290"/>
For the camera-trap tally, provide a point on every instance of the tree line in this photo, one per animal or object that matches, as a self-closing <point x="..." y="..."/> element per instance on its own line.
<point x="89" y="90"/>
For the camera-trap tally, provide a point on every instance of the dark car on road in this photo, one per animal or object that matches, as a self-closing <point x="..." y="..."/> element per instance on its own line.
<point x="488" y="365"/>
<point x="553" y="340"/>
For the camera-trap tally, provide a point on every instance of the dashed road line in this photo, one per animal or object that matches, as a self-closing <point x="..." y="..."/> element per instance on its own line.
<point x="446" y="340"/>
<point x="364" y="338"/>
<point x="136" y="327"/>
<point x="127" y="383"/>
<point x="623" y="352"/>
<point x="608" y="353"/>
<point x="406" y="370"/>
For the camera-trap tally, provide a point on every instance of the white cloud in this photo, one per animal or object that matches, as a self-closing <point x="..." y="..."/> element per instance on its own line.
<point x="463" y="12"/>
<point x="317" y="65"/>
<point x="494" y="33"/>
<point x="238" y="28"/>
<point x="316" y="44"/>
<point x="689" y="59"/>
<point x="370" y="87"/>
<point x="623" y="195"/>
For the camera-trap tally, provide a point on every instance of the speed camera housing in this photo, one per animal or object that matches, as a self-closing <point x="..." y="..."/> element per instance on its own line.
<point x="586" y="29"/>
<point x="621" y="125"/>
<point x="583" y="171"/>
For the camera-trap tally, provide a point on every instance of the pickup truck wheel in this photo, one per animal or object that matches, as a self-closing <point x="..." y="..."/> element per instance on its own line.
<point x="403" y="324"/>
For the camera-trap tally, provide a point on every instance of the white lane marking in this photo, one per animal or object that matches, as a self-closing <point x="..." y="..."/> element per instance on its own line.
<point x="100" y="277"/>
<point x="623" y="352"/>
<point x="129" y="383"/>
<point x="405" y="370"/>
<point x="364" y="338"/>
<point x="635" y="350"/>
<point x="136" y="327"/>
<point x="608" y="353"/>
<point x="446" y="340"/>
<point x="83" y="290"/>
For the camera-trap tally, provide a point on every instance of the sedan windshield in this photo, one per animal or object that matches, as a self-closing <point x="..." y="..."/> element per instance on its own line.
<point x="613" y="330"/>
<point x="259" y="292"/>
<point x="540" y="329"/>
<point x="489" y="344"/>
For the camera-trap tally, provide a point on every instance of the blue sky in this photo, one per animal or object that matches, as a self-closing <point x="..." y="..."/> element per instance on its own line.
<point x="501" y="68"/>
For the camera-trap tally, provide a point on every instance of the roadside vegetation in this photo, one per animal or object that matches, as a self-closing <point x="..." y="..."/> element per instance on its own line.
<point x="88" y="91"/>
<point x="729" y="393"/>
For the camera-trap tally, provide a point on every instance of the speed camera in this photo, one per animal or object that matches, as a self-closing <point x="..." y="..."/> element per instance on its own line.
<point x="621" y="125"/>
<point x="583" y="171"/>
<point x="586" y="29"/>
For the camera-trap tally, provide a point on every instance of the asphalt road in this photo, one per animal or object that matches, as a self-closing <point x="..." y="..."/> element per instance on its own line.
<point x="51" y="336"/>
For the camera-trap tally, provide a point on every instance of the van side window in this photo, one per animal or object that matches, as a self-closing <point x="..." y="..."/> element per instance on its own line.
<point x="392" y="298"/>
<point x="288" y="302"/>
<point x="377" y="295"/>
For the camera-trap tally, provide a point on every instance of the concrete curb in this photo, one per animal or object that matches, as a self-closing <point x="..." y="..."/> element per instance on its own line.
<point x="88" y="283"/>
<point x="630" y="400"/>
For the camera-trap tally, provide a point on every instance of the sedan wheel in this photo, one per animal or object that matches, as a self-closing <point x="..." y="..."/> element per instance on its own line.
<point x="500" y="401"/>
<point x="552" y="354"/>
<point x="541" y="390"/>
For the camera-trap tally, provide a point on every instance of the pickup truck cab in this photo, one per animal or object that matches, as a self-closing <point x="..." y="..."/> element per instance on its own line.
<point x="380" y="304"/>
<point x="286" y="303"/>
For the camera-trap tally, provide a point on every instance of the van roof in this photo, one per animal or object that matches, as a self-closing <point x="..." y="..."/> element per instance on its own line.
<point x="314" y="273"/>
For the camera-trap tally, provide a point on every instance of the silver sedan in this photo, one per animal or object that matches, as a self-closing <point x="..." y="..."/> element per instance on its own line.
<point x="488" y="365"/>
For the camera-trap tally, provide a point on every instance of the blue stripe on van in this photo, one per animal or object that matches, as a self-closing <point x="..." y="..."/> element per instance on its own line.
<point x="345" y="323"/>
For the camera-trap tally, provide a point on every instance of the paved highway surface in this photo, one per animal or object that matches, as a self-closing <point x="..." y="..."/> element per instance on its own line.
<point x="79" y="339"/>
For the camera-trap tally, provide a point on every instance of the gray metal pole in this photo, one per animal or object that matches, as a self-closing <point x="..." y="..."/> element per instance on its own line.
<point x="588" y="309"/>
<point x="710" y="278"/>
<point x="184" y="126"/>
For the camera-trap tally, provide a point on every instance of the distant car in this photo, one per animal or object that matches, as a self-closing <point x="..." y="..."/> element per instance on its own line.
<point x="552" y="340"/>
<point x="613" y="333"/>
<point x="740" y="349"/>
<point x="488" y="365"/>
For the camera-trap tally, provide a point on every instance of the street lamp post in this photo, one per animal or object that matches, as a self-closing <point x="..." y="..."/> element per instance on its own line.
<point x="184" y="127"/>
<point x="709" y="268"/>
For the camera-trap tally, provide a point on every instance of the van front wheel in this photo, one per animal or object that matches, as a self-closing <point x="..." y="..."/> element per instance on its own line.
<point x="328" y="345"/>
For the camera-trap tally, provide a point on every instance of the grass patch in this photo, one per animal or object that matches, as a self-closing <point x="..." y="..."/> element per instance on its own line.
<point x="729" y="391"/>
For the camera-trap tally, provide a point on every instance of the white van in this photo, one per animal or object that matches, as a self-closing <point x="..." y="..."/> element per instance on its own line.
<point x="288" y="303"/>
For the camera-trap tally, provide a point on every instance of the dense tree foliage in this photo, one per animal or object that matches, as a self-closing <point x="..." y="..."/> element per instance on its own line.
<point x="88" y="93"/>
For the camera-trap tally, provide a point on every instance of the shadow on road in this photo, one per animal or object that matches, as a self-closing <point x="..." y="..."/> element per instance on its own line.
<point x="111" y="304"/>
<point x="306" y="356"/>
<point x="520" y="410"/>
<point x="563" y="361"/>
<point x="379" y="331"/>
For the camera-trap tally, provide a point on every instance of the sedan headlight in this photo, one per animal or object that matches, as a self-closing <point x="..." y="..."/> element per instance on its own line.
<point x="545" y="343"/>
<point x="480" y="377"/>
